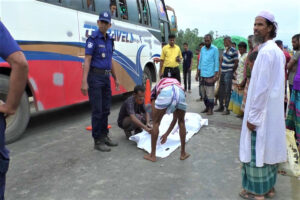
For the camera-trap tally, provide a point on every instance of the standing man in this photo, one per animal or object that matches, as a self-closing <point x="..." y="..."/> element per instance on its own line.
<point x="208" y="70"/>
<point x="96" y="80"/>
<point x="293" y="64"/>
<point x="170" y="59"/>
<point x="10" y="52"/>
<point x="187" y="67"/>
<point x="198" y="72"/>
<point x="229" y="62"/>
<point x="262" y="141"/>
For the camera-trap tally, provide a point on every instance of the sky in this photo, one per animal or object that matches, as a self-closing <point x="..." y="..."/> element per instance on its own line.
<point x="236" y="17"/>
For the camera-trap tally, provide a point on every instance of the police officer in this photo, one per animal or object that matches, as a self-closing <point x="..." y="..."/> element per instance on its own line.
<point x="96" y="80"/>
<point x="11" y="52"/>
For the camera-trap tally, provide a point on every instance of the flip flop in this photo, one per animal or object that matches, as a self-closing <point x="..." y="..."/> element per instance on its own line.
<point x="246" y="195"/>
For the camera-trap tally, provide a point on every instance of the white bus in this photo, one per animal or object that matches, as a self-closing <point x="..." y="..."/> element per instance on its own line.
<point x="52" y="34"/>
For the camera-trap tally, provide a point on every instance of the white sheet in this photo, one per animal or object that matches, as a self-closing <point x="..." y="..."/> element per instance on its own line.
<point x="193" y="123"/>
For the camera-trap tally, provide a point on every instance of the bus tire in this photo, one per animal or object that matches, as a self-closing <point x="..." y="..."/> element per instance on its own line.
<point x="147" y="75"/>
<point x="17" y="123"/>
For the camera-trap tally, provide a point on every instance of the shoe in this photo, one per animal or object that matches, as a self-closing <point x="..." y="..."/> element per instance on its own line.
<point x="128" y="134"/>
<point x="109" y="142"/>
<point x="220" y="109"/>
<point x="205" y="110"/>
<point x="226" y="112"/>
<point x="209" y="112"/>
<point x="101" y="146"/>
<point x="190" y="91"/>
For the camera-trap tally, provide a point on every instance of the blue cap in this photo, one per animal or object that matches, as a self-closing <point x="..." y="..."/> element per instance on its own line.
<point x="105" y="16"/>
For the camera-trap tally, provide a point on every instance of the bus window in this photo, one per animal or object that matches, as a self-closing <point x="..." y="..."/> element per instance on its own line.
<point x="89" y="5"/>
<point x="101" y="5"/>
<point x="139" y="11"/>
<point x="154" y="14"/>
<point x="123" y="9"/>
<point x="145" y="12"/>
<point x="162" y="30"/>
<point x="77" y="4"/>
<point x="53" y="1"/>
<point x="113" y="9"/>
<point x="134" y="12"/>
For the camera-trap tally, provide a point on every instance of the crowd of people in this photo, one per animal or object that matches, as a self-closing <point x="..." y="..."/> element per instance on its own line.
<point x="250" y="81"/>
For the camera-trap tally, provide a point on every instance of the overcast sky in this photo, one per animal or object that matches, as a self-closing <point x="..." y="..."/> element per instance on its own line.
<point x="236" y="17"/>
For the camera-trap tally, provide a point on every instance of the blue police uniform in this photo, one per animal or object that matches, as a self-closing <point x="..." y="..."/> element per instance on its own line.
<point x="7" y="46"/>
<point x="101" y="50"/>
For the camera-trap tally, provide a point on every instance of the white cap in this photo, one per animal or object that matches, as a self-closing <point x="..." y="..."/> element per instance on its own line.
<point x="267" y="15"/>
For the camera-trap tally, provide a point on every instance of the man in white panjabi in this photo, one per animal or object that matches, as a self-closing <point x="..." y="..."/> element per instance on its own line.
<point x="262" y="142"/>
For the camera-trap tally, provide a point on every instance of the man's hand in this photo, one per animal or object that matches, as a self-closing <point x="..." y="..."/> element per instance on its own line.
<point x="164" y="138"/>
<point x="148" y="129"/>
<point x="197" y="77"/>
<point x="84" y="88"/>
<point x="4" y="109"/>
<point x="250" y="126"/>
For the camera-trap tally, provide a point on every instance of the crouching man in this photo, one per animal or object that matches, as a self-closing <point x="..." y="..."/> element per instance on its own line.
<point x="133" y="117"/>
<point x="168" y="97"/>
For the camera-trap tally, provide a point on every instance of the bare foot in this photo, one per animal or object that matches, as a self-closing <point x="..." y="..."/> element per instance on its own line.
<point x="184" y="156"/>
<point x="149" y="157"/>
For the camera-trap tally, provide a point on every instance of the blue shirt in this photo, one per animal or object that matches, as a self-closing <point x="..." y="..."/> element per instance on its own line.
<point x="228" y="59"/>
<point x="209" y="61"/>
<point x="100" y="49"/>
<point x="187" y="59"/>
<point x="7" y="44"/>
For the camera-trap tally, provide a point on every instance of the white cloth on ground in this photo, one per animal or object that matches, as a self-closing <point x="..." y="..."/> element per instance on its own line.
<point x="193" y="123"/>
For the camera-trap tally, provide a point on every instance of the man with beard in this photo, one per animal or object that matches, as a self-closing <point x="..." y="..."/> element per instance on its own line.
<point x="262" y="141"/>
<point x="292" y="65"/>
<point x="208" y="70"/>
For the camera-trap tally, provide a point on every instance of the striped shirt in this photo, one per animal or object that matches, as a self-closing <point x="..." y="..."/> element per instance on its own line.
<point x="229" y="57"/>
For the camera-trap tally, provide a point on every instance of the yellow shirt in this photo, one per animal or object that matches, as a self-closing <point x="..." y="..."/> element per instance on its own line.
<point x="169" y="54"/>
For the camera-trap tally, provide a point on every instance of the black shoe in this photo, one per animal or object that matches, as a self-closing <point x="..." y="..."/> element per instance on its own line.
<point x="205" y="110"/>
<point x="128" y="134"/>
<point x="101" y="146"/>
<point x="220" y="109"/>
<point x="109" y="142"/>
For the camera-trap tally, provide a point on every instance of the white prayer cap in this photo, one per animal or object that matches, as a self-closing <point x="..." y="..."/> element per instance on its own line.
<point x="267" y="15"/>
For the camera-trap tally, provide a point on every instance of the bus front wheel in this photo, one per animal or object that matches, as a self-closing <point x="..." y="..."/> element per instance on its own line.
<point x="17" y="123"/>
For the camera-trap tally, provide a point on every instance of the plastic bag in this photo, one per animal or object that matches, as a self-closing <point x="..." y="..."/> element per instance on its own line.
<point x="292" y="166"/>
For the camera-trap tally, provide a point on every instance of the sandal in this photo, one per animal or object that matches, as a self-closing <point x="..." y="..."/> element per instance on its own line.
<point x="246" y="195"/>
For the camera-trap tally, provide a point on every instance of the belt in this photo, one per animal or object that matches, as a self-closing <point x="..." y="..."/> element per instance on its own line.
<point x="100" y="71"/>
<point x="171" y="68"/>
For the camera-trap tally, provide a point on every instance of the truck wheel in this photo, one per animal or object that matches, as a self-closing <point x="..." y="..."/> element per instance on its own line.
<point x="17" y="123"/>
<point x="147" y="75"/>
